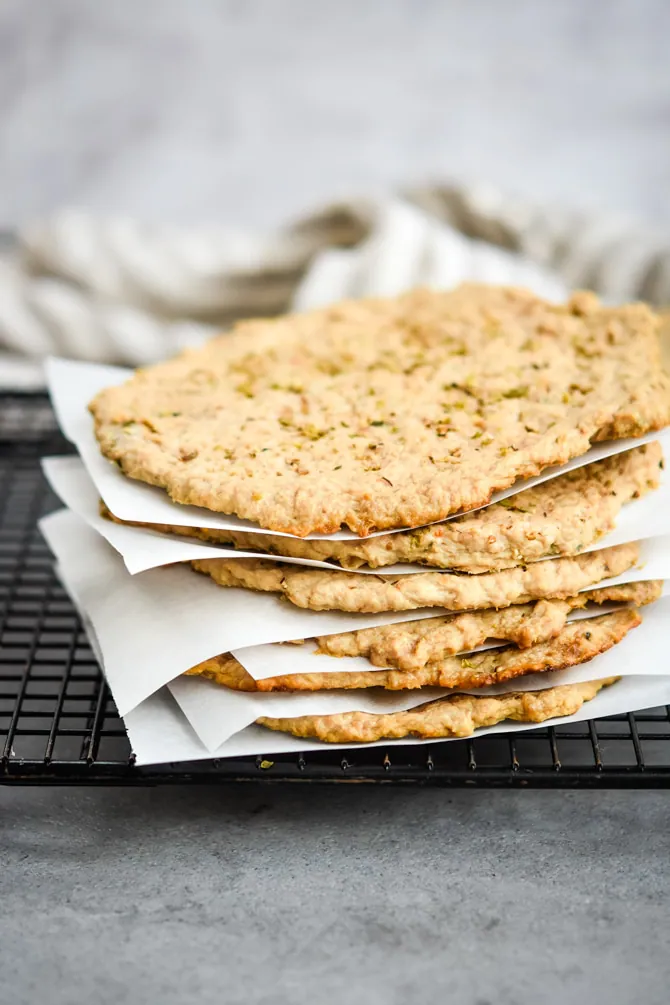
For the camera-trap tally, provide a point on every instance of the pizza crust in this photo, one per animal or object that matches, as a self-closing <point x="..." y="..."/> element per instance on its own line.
<point x="576" y="643"/>
<point x="457" y="715"/>
<point x="381" y="414"/>
<point x="410" y="645"/>
<point x="560" y="517"/>
<point x="322" y="590"/>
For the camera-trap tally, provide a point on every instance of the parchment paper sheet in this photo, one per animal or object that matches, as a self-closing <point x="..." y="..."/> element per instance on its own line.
<point x="160" y="733"/>
<point x="72" y="385"/>
<point x="163" y="621"/>
<point x="140" y="627"/>
<point x="157" y="624"/>
<point x="143" y="548"/>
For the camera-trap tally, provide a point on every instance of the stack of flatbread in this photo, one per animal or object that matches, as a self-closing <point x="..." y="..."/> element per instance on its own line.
<point x="429" y="453"/>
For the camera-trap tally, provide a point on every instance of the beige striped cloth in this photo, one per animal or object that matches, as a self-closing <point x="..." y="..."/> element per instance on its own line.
<point x="120" y="291"/>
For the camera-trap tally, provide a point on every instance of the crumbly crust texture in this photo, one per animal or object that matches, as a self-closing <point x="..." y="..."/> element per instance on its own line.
<point x="559" y="517"/>
<point x="665" y="339"/>
<point x="413" y="644"/>
<point x="574" y="644"/>
<point x="322" y="590"/>
<point x="379" y="414"/>
<point x="457" y="715"/>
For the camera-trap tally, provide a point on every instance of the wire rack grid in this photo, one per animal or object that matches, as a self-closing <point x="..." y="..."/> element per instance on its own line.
<point x="59" y="725"/>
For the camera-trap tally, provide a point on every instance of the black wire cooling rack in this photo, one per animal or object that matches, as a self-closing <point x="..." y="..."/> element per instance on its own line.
<point x="58" y="723"/>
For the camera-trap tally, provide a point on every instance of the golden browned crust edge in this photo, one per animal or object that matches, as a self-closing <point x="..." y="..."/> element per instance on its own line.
<point x="323" y="590"/>
<point x="456" y="715"/>
<point x="610" y="357"/>
<point x="577" y="643"/>
<point x="560" y="517"/>
<point x="410" y="645"/>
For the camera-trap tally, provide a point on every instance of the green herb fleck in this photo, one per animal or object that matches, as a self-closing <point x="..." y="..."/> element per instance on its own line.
<point x="312" y="433"/>
<point x="516" y="392"/>
<point x="246" y="388"/>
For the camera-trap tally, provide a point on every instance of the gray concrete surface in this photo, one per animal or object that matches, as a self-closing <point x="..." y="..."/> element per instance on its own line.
<point x="366" y="896"/>
<point x="246" y="113"/>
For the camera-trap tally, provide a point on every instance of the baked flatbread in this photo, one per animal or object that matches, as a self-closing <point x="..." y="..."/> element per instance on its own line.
<point x="410" y="645"/>
<point x="559" y="517"/>
<point x="322" y="590"/>
<point x="576" y="643"/>
<point x="456" y="715"/>
<point x="380" y="414"/>
<point x="665" y="339"/>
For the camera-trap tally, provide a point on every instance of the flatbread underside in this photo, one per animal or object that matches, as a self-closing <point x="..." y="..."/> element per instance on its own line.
<point x="576" y="643"/>
<point x="456" y="715"/>
<point x="381" y="414"/>
<point x="562" y="516"/>
<point x="322" y="590"/>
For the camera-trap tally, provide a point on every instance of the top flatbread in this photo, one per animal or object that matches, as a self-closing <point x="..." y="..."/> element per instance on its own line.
<point x="380" y="414"/>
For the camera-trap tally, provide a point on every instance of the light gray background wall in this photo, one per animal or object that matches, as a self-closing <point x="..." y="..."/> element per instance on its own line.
<point x="247" y="111"/>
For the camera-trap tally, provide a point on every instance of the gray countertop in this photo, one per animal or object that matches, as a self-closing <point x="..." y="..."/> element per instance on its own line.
<point x="246" y="113"/>
<point x="345" y="893"/>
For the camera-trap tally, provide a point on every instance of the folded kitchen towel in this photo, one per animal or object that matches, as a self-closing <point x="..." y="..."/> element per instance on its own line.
<point x="120" y="291"/>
